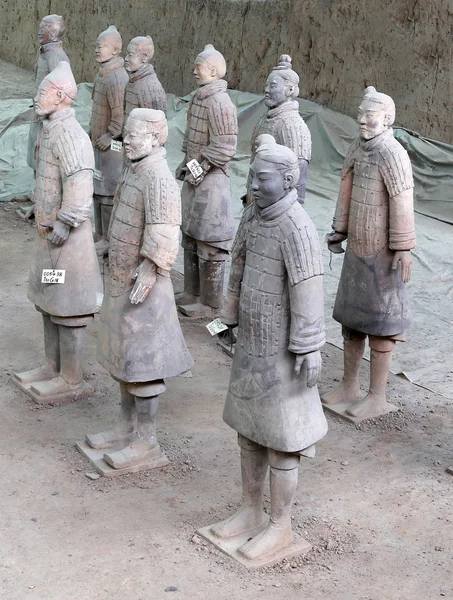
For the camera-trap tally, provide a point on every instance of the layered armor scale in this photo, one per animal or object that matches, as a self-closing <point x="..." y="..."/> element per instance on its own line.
<point x="144" y="90"/>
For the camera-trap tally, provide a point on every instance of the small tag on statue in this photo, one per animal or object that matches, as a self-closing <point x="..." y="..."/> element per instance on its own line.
<point x="195" y="168"/>
<point x="97" y="175"/>
<point x="53" y="275"/>
<point x="116" y="145"/>
<point x="216" y="326"/>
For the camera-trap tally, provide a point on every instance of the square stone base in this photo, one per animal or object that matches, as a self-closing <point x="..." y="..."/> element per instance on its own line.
<point x="83" y="391"/>
<point x="96" y="460"/>
<point x="230" y="547"/>
<point x="198" y="311"/>
<point x="341" y="408"/>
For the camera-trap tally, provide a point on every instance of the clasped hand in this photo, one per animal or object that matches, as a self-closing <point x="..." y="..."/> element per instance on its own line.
<point x="60" y="231"/>
<point x="145" y="277"/>
<point x="314" y="366"/>
<point x="105" y="141"/>
<point x="405" y="258"/>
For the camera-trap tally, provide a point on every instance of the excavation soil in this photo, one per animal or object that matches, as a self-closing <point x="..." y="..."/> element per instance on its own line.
<point x="376" y="502"/>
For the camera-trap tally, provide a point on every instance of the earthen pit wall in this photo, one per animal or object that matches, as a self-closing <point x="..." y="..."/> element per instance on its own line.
<point x="338" y="46"/>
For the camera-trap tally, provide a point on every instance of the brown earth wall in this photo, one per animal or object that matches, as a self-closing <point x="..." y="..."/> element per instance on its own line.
<point x="338" y="47"/>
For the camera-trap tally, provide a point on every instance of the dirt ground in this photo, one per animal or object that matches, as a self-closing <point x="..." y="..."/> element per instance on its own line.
<point x="376" y="502"/>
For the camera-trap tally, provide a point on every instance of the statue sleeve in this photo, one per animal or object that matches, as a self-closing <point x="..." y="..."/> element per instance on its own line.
<point x="223" y="132"/>
<point x="307" y="331"/>
<point x="341" y="217"/>
<point x="152" y="94"/>
<point x="75" y="154"/>
<point x="230" y="309"/>
<point x="115" y="98"/>
<point x="295" y="134"/>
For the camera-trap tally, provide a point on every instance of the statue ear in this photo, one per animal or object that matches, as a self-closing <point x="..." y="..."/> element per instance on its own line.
<point x="289" y="180"/>
<point x="53" y="32"/>
<point x="60" y="96"/>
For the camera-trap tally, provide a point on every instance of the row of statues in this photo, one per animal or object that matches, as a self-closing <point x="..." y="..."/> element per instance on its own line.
<point x="275" y="288"/>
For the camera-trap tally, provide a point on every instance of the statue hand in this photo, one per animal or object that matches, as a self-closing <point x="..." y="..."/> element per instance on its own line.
<point x="405" y="258"/>
<point x="181" y="170"/>
<point x="314" y="366"/>
<point x="334" y="240"/>
<point x="145" y="278"/>
<point x="60" y="232"/>
<point x="103" y="143"/>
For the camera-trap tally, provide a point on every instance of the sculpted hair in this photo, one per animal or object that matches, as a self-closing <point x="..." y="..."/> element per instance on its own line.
<point x="155" y="120"/>
<point x="145" y="44"/>
<point x="284" y="70"/>
<point x="214" y="59"/>
<point x="112" y="35"/>
<point x="386" y="102"/>
<point x="58" y="22"/>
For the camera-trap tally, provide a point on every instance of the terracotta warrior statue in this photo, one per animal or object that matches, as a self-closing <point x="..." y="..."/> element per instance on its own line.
<point x="283" y="120"/>
<point x="275" y="295"/>
<point x="144" y="89"/>
<point x="64" y="241"/>
<point x="375" y="214"/>
<point x="107" y="126"/>
<point x="51" y="30"/>
<point x="207" y="215"/>
<point x="140" y="340"/>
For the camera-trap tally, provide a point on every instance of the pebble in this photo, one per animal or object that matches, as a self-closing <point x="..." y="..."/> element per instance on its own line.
<point x="171" y="588"/>
<point x="92" y="476"/>
<point x="344" y="463"/>
<point x="449" y="470"/>
<point x="196" y="539"/>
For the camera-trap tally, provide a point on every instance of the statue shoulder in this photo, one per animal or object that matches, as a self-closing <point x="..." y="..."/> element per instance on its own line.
<point x="72" y="146"/>
<point x="395" y="166"/>
<point x="161" y="195"/>
<point x="222" y="114"/>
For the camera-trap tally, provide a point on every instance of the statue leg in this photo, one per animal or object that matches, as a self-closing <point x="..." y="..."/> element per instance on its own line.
<point x="123" y="432"/>
<point x="105" y="205"/>
<point x="97" y="209"/>
<point x="284" y="476"/>
<point x="349" y="389"/>
<point x="375" y="402"/>
<point x="144" y="444"/>
<point x="191" y="292"/>
<point x="51" y="366"/>
<point x="250" y="516"/>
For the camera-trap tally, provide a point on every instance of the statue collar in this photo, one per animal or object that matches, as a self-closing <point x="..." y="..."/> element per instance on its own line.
<point x="114" y="63"/>
<point x="50" y="46"/>
<point x="57" y="117"/>
<point x="370" y="145"/>
<point x="289" y="105"/>
<point x="139" y="165"/>
<point x="274" y="211"/>
<point x="144" y="71"/>
<point x="210" y="89"/>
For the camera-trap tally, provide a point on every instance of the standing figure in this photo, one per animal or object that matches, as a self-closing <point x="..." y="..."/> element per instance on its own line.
<point x="275" y="295"/>
<point x="51" y="30"/>
<point x="106" y="126"/>
<point x="64" y="242"/>
<point x="283" y="120"/>
<point x="140" y="341"/>
<point x="375" y="213"/>
<point x="207" y="214"/>
<point x="144" y="89"/>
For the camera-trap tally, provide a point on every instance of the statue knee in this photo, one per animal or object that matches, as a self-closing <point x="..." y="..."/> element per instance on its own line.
<point x="284" y="461"/>
<point x="246" y="444"/>
<point x="381" y="344"/>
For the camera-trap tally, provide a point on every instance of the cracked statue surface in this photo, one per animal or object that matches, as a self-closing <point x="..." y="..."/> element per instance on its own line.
<point x="51" y="29"/>
<point x="207" y="213"/>
<point x="64" y="241"/>
<point x="283" y="121"/>
<point x="140" y="341"/>
<point x="106" y="126"/>
<point x="375" y="214"/>
<point x="275" y="296"/>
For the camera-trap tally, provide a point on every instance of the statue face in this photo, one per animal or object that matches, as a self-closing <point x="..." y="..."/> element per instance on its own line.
<point x="275" y="92"/>
<point x="269" y="184"/>
<point x="137" y="142"/>
<point x="47" y="99"/>
<point x="103" y="51"/>
<point x="45" y="32"/>
<point x="133" y="59"/>
<point x="372" y="119"/>
<point x="203" y="72"/>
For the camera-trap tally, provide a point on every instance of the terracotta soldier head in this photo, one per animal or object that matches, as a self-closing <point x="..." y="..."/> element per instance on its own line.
<point x="145" y="129"/>
<point x="139" y="52"/>
<point x="282" y="84"/>
<point x="108" y="44"/>
<point x="57" y="91"/>
<point x="274" y="171"/>
<point x="51" y="29"/>
<point x="376" y="113"/>
<point x="210" y="65"/>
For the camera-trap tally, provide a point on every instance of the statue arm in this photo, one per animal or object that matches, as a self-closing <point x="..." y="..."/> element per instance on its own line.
<point x="230" y="310"/>
<point x="307" y="331"/>
<point x="401" y="221"/>
<point x="341" y="217"/>
<point x="77" y="198"/>
<point x="115" y="97"/>
<point x="223" y="133"/>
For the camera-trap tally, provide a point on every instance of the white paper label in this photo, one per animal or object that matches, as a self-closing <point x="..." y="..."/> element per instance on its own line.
<point x="116" y="145"/>
<point x="216" y="326"/>
<point x="195" y="168"/>
<point x="53" y="275"/>
<point x="97" y="175"/>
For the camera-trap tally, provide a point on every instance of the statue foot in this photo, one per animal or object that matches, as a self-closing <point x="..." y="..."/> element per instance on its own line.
<point x="345" y="392"/>
<point x="108" y="439"/>
<point x="185" y="298"/>
<point x="198" y="310"/>
<point x="270" y="541"/>
<point x="102" y="247"/>
<point x="54" y="386"/>
<point x="372" y="406"/>
<point x="244" y="520"/>
<point x="42" y="373"/>
<point x="135" y="453"/>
